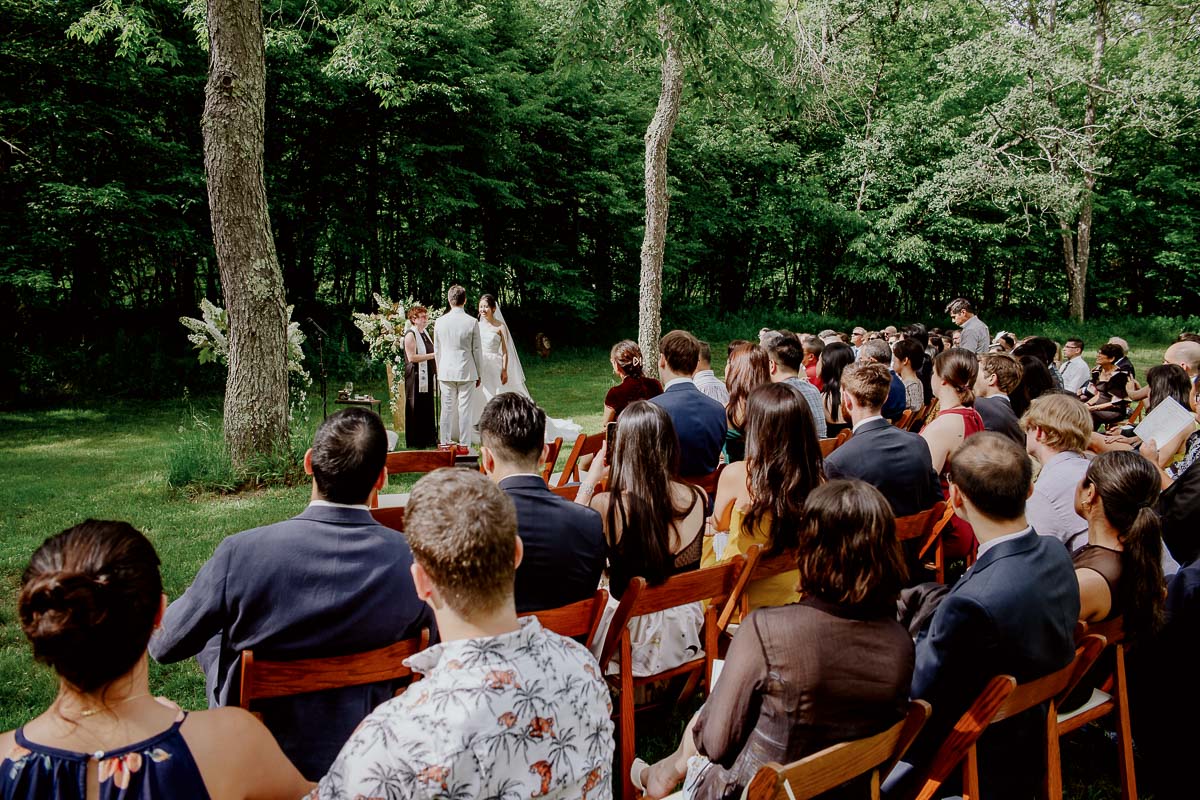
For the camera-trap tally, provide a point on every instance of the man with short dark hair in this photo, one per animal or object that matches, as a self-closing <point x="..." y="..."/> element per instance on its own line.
<point x="506" y="708"/>
<point x="974" y="335"/>
<point x="880" y="352"/>
<point x="331" y="581"/>
<point x="699" y="421"/>
<point x="563" y="541"/>
<point x="786" y="357"/>
<point x="707" y="382"/>
<point x="1012" y="613"/>
<point x="999" y="374"/>
<point x="894" y="461"/>
<point x="1074" y="371"/>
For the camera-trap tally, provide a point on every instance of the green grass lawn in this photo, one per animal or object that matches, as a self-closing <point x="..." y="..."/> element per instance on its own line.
<point x="109" y="460"/>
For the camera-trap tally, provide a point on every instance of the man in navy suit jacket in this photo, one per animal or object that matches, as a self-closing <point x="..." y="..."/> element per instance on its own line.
<point x="999" y="374"/>
<point x="894" y="461"/>
<point x="699" y="421"/>
<point x="1012" y="613"/>
<point x="896" y="401"/>
<point x="328" y="582"/>
<point x="563" y="541"/>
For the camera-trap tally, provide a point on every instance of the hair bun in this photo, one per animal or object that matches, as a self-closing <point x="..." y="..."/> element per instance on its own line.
<point x="61" y="605"/>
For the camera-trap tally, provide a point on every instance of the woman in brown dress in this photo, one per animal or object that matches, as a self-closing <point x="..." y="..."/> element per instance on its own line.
<point x="420" y="382"/>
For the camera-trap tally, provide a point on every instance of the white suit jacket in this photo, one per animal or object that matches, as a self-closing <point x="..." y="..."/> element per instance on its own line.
<point x="457" y="346"/>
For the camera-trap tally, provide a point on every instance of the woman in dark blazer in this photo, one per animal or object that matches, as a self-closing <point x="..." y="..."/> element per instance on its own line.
<point x="833" y="667"/>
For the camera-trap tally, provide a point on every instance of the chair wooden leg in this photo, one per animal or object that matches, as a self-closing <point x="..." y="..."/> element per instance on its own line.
<point x="1124" y="730"/>
<point x="1052" y="786"/>
<point x="628" y="741"/>
<point x="939" y="561"/>
<point x="970" y="785"/>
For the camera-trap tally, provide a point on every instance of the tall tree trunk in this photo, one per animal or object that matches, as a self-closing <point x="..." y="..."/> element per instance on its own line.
<point x="658" y="139"/>
<point x="256" y="399"/>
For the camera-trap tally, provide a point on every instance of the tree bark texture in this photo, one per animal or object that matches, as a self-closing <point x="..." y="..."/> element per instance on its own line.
<point x="256" y="394"/>
<point x="658" y="139"/>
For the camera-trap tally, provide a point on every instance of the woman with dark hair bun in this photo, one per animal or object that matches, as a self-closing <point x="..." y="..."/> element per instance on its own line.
<point x="89" y="600"/>
<point x="798" y="678"/>
<point x="834" y="359"/>
<point x="760" y="500"/>
<point x="626" y="360"/>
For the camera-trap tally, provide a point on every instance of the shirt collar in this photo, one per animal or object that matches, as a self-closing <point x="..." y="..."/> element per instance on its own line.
<point x="503" y="646"/>
<point x="988" y="545"/>
<point x="521" y="475"/>
<point x="675" y="381"/>
<point x="704" y="373"/>
<point x="860" y="423"/>
<point x="328" y="504"/>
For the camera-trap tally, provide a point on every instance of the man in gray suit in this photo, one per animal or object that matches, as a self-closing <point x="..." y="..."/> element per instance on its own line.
<point x="459" y="356"/>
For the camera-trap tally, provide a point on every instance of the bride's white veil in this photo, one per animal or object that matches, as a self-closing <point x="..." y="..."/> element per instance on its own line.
<point x="516" y="374"/>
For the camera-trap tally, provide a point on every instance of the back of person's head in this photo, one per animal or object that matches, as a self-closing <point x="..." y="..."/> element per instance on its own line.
<point x="704" y="359"/>
<point x="1062" y="418"/>
<point x="89" y="600"/>
<point x="877" y="350"/>
<point x="1186" y="354"/>
<point x="1039" y="346"/>
<point x="1035" y="381"/>
<point x="1121" y="343"/>
<point x="739" y="342"/>
<point x="645" y="458"/>
<point x="783" y="460"/>
<point x="1187" y="336"/>
<point x="463" y="532"/>
<point x="994" y="473"/>
<point x="1168" y="380"/>
<point x="348" y="452"/>
<point x="958" y="367"/>
<point x="868" y="383"/>
<point x="786" y="351"/>
<point x="513" y="428"/>
<point x="915" y="331"/>
<point x="681" y="351"/>
<point x="628" y="356"/>
<point x="959" y="304"/>
<point x="909" y="349"/>
<point x="1006" y="369"/>
<point x="834" y="361"/>
<point x="812" y="345"/>
<point x="457" y="295"/>
<point x="849" y="554"/>
<point x="1128" y="487"/>
<point x="1112" y="351"/>
<point x="748" y="367"/>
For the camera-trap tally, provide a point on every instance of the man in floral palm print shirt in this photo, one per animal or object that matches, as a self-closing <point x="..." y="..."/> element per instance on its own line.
<point x="506" y="710"/>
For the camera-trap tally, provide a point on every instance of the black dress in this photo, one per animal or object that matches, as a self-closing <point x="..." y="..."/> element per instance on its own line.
<point x="420" y="427"/>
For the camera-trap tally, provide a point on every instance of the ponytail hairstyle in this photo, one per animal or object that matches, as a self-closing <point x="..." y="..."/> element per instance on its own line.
<point x="783" y="461"/>
<point x="958" y="367"/>
<point x="1128" y="486"/>
<point x="88" y="602"/>
<point x="628" y="356"/>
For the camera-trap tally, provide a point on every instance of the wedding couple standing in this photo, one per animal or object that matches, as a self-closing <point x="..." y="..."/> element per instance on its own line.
<point x="476" y="361"/>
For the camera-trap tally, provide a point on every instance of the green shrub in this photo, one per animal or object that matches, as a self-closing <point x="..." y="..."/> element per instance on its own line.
<point x="200" y="462"/>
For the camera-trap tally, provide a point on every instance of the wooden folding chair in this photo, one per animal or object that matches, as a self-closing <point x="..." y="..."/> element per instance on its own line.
<point x="570" y="491"/>
<point x="406" y="461"/>
<point x="829" y="445"/>
<point x="1113" y="696"/>
<point x="906" y="419"/>
<point x="389" y="516"/>
<point x="552" y="452"/>
<point x="584" y="445"/>
<point x="706" y="482"/>
<point x="918" y="419"/>
<point x="761" y="568"/>
<point x="575" y="621"/>
<point x="935" y="547"/>
<point x="923" y="527"/>
<point x="715" y="586"/>
<point x="263" y="679"/>
<point x="830" y="768"/>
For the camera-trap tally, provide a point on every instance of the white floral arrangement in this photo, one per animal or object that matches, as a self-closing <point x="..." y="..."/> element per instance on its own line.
<point x="210" y="335"/>
<point x="384" y="330"/>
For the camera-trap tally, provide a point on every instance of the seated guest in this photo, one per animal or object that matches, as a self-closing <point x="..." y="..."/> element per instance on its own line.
<point x="1057" y="427"/>
<point x="786" y="356"/>
<point x="1163" y="381"/>
<point x="89" y="599"/>
<point x="894" y="461"/>
<point x="563" y="542"/>
<point x="835" y="358"/>
<point x="954" y="374"/>
<point x="698" y="421"/>
<point x="897" y="397"/>
<point x="748" y="368"/>
<point x="626" y="359"/>
<point x="1120" y="567"/>
<point x="1075" y="371"/>
<point x="708" y="383"/>
<point x="907" y="356"/>
<point x="505" y="708"/>
<point x="331" y="581"/>
<point x="1107" y="394"/>
<point x="999" y="374"/>
<point x="1012" y="613"/>
<point x="1036" y="380"/>
<point x="1045" y="351"/>
<point x="654" y="528"/>
<point x="802" y="677"/>
<point x="759" y="500"/>
<point x="813" y="349"/>
<point x="1123" y="363"/>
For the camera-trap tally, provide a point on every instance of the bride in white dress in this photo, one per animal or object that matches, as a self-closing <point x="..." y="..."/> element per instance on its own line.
<point x="501" y="370"/>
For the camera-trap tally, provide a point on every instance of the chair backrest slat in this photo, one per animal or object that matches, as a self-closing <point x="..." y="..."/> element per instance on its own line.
<point x="576" y="619"/>
<point x="554" y="448"/>
<point x="919" y="525"/>
<point x="405" y="461"/>
<point x="966" y="732"/>
<point x="389" y="517"/>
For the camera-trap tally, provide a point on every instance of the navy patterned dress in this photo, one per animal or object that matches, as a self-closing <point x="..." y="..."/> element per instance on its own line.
<point x="158" y="767"/>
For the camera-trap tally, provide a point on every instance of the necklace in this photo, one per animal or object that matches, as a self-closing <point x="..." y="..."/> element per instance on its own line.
<point x="91" y="712"/>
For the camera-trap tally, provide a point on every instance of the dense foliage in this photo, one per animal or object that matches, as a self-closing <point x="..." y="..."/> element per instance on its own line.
<point x="875" y="159"/>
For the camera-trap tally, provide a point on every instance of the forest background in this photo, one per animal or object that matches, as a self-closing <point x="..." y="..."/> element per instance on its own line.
<point x="860" y="161"/>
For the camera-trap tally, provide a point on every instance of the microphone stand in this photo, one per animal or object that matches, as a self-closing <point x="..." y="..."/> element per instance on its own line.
<point x="321" y="358"/>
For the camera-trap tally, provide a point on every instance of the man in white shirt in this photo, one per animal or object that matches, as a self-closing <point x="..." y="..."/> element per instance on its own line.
<point x="707" y="382"/>
<point x="1075" y="371"/>
<point x="1057" y="431"/>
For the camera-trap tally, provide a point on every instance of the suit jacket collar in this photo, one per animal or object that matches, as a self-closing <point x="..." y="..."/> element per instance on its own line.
<point x="336" y="515"/>
<point x="1021" y="544"/>
<point x="523" y="482"/>
<point x="872" y="425"/>
<point x="687" y="385"/>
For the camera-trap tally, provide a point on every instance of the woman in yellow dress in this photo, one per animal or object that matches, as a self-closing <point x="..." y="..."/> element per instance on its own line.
<point x="760" y="500"/>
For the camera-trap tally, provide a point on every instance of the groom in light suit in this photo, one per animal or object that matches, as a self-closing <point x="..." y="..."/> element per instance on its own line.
<point x="459" y="355"/>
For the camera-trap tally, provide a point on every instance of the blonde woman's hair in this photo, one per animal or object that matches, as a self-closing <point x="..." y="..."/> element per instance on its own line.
<point x="1062" y="418"/>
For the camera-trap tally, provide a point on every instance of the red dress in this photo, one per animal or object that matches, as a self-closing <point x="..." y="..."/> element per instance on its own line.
<point x="630" y="389"/>
<point x="959" y="536"/>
